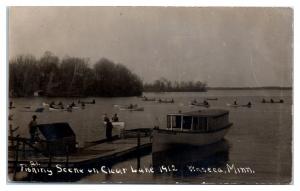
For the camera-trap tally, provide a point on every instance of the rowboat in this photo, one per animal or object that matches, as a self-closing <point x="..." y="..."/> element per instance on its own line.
<point x="271" y="101"/>
<point x="148" y="99"/>
<point x="238" y="105"/>
<point x="132" y="109"/>
<point x="165" y="101"/>
<point x="54" y="109"/>
<point x="199" y="104"/>
<point x="45" y="104"/>
<point x="212" y="99"/>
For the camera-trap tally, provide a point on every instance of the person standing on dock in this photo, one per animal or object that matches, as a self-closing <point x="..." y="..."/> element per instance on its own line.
<point x="32" y="128"/>
<point x="235" y="102"/>
<point x="249" y="104"/>
<point x="115" y="118"/>
<point x="11" y="105"/>
<point x="109" y="128"/>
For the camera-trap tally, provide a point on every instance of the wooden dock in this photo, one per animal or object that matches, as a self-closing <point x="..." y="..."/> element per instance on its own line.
<point x="98" y="152"/>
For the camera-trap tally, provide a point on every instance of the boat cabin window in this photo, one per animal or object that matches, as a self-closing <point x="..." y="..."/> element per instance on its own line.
<point x="187" y="122"/>
<point x="200" y="124"/>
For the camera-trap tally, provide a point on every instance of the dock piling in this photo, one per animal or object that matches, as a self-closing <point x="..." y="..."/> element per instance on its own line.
<point x="16" y="158"/>
<point x="67" y="156"/>
<point x="138" y="150"/>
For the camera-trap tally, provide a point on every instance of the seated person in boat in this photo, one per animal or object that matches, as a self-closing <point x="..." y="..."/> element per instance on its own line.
<point x="52" y="104"/>
<point x="72" y="104"/>
<point x="249" y="104"/>
<point x="205" y="102"/>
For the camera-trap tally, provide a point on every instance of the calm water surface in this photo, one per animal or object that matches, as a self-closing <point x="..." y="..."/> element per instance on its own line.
<point x="260" y="138"/>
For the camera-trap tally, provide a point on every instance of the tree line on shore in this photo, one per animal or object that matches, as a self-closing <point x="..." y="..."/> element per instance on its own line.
<point x="77" y="77"/>
<point x="164" y="85"/>
<point x="70" y="76"/>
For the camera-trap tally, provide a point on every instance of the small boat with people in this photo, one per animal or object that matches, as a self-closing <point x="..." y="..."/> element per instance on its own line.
<point x="87" y="102"/>
<point x="201" y="104"/>
<point x="131" y="107"/>
<point x="148" y="99"/>
<point x="44" y="104"/>
<point x="211" y="98"/>
<point x="11" y="105"/>
<point x="60" y="106"/>
<point x="54" y="109"/>
<point x="272" y="101"/>
<point x="194" y="128"/>
<point x="235" y="104"/>
<point x="165" y="101"/>
<point x="30" y="109"/>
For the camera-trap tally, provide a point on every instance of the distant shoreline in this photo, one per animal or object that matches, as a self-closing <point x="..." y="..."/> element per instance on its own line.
<point x="207" y="89"/>
<point x="249" y="88"/>
<point x="229" y="88"/>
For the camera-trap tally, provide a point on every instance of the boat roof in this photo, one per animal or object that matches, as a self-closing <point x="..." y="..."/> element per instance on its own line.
<point x="203" y="113"/>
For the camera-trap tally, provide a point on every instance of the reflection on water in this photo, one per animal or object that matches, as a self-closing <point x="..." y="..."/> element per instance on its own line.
<point x="177" y="160"/>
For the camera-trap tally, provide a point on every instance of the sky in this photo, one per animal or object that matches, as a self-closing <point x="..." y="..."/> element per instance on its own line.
<point x="225" y="47"/>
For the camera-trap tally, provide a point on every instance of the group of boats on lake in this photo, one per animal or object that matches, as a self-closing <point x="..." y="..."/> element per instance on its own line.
<point x="159" y="100"/>
<point x="193" y="128"/>
<point x="53" y="106"/>
<point x="135" y="107"/>
<point x="69" y="107"/>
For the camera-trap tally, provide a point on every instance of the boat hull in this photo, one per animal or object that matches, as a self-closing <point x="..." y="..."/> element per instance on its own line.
<point x="166" y="139"/>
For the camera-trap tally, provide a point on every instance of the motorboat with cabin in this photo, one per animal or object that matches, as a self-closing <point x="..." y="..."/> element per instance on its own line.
<point x="195" y="128"/>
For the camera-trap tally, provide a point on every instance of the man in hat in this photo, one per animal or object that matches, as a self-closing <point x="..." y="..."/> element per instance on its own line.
<point x="32" y="128"/>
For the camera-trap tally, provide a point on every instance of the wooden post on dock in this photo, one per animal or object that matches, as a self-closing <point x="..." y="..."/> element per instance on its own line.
<point x="11" y="134"/>
<point x="16" y="158"/>
<point x="50" y="155"/>
<point x="67" y="156"/>
<point x="138" y="150"/>
<point x="23" y="150"/>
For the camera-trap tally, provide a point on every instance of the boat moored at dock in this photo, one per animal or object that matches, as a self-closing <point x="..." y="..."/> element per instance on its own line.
<point x="194" y="128"/>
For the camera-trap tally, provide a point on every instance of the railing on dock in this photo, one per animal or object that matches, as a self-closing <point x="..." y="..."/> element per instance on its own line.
<point x="15" y="149"/>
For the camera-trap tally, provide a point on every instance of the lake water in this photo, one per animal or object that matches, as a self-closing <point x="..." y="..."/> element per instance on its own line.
<point x="261" y="136"/>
